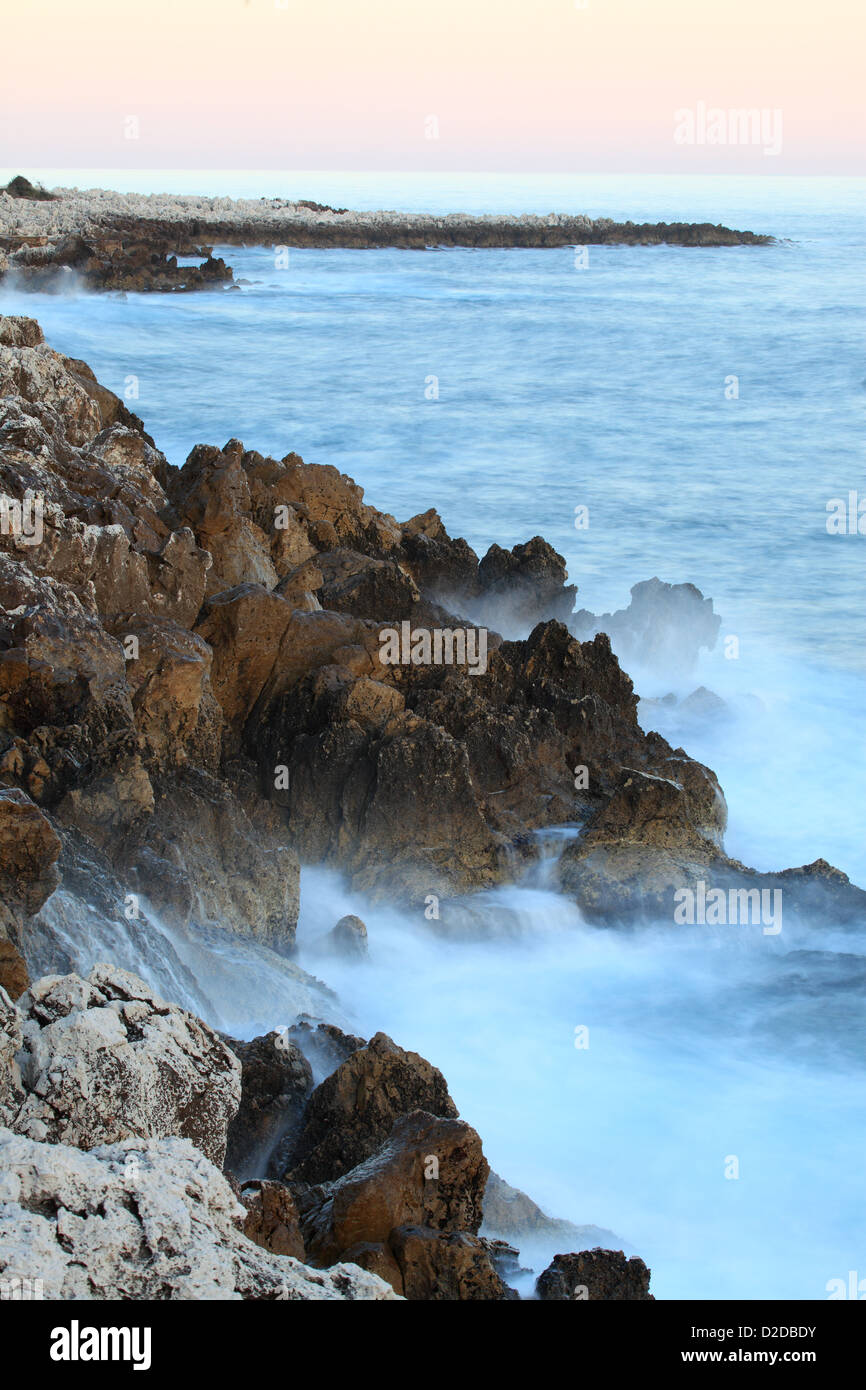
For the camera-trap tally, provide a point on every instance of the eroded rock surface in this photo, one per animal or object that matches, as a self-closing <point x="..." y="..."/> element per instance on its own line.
<point x="144" y="1219"/>
<point x="103" y="1059"/>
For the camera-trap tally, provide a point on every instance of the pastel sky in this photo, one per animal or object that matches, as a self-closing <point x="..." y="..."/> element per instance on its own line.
<point x="353" y="84"/>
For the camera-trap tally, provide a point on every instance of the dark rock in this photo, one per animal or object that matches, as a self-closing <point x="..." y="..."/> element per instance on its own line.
<point x="595" y="1274"/>
<point x="275" y="1083"/>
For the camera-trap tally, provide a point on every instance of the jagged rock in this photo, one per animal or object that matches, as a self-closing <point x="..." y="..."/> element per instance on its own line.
<point x="324" y="1045"/>
<point x="352" y="1113"/>
<point x="440" y="1266"/>
<point x="18" y="331"/>
<point x="245" y="627"/>
<point x="525" y="585"/>
<point x="143" y="1220"/>
<point x="594" y="1274"/>
<point x="366" y="587"/>
<point x="446" y="569"/>
<point x="349" y="937"/>
<point x="172" y="700"/>
<point x="272" y="1219"/>
<point x="663" y="629"/>
<point x="377" y="1259"/>
<point x="104" y="1058"/>
<point x="654" y="835"/>
<point x="276" y="1080"/>
<point x="429" y="1172"/>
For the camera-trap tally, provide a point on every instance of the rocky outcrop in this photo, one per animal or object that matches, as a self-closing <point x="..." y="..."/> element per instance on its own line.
<point x="429" y="1172"/>
<point x="144" y="1219"/>
<point x="352" y="1113"/>
<point x="445" y="1266"/>
<point x="663" y="630"/>
<point x="103" y="1059"/>
<point x="595" y="1274"/>
<point x="276" y="1080"/>
<point x="193" y="678"/>
<point x="348" y="938"/>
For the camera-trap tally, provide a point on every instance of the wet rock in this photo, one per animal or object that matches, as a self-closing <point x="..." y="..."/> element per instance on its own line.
<point x="272" y="1219"/>
<point x="429" y="1172"/>
<point x="663" y="629"/>
<point x="352" y="1113"/>
<point x="449" y="1266"/>
<point x="104" y="1059"/>
<point x="349" y="938"/>
<point x="143" y="1220"/>
<point x="29" y="849"/>
<point x="324" y="1045"/>
<point x="276" y="1080"/>
<point x="203" y="858"/>
<point x="595" y="1274"/>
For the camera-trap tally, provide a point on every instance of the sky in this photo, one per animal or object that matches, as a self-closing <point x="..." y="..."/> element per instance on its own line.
<point x="433" y="85"/>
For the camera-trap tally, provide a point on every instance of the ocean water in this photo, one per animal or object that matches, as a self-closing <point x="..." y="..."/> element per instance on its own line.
<point x="705" y="405"/>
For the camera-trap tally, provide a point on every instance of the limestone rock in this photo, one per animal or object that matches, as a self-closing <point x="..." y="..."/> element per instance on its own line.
<point x="104" y="1059"/>
<point x="349" y="937"/>
<point x="276" y="1080"/>
<point x="445" y="1266"/>
<point x="143" y="1220"/>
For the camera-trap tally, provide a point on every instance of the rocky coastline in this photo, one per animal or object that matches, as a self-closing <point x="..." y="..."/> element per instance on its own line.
<point x="194" y="701"/>
<point x="132" y="241"/>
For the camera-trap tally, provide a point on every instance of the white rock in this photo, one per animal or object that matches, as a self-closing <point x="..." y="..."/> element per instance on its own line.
<point x="144" y="1219"/>
<point x="104" y="1059"/>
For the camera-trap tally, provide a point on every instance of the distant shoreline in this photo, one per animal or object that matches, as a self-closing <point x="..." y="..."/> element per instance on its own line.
<point x="114" y="241"/>
<point x="237" y="221"/>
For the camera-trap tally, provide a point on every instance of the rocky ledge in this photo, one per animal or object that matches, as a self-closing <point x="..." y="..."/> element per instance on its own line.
<point x="132" y="241"/>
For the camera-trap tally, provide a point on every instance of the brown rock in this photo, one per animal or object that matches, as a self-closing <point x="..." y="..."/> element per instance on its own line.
<point x="447" y="1266"/>
<point x="377" y="1259"/>
<point x="13" y="970"/>
<point x="352" y="1113"/>
<point x="429" y="1172"/>
<point x="272" y="1218"/>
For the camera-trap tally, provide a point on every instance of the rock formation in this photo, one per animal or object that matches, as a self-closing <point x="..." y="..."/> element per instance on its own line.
<point x="144" y="1219"/>
<point x="102" y="1059"/>
<point x="592" y="1275"/>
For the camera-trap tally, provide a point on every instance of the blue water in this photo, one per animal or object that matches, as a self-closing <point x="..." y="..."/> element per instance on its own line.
<point x="602" y="386"/>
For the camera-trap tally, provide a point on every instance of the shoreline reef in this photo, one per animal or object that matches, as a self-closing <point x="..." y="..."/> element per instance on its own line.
<point x="116" y="241"/>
